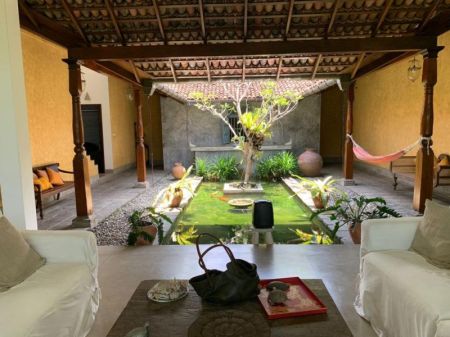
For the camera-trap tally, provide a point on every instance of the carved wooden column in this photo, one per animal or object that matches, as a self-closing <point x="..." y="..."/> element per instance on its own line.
<point x="423" y="187"/>
<point x="348" y="145"/>
<point x="141" y="168"/>
<point x="83" y="195"/>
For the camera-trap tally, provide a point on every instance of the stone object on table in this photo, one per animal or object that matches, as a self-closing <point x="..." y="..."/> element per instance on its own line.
<point x="143" y="331"/>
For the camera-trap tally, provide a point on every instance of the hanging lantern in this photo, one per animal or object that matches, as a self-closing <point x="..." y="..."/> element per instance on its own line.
<point x="414" y="70"/>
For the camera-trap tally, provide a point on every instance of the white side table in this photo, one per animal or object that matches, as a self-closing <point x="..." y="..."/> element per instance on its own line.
<point x="268" y="235"/>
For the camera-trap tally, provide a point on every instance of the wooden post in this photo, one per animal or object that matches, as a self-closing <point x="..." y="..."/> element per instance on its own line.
<point x="348" y="145"/>
<point x="423" y="187"/>
<point x="141" y="168"/>
<point x="83" y="195"/>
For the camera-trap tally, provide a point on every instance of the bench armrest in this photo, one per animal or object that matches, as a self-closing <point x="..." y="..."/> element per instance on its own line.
<point x="65" y="246"/>
<point x="64" y="171"/>
<point x="388" y="234"/>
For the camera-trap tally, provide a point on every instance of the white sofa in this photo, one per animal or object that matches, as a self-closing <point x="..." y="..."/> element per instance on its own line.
<point x="61" y="298"/>
<point x="400" y="293"/>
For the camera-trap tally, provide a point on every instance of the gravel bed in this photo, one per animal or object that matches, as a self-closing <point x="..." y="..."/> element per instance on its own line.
<point x="114" y="229"/>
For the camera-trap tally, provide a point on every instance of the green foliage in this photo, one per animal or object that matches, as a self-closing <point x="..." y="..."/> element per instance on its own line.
<point x="317" y="237"/>
<point x="279" y="166"/>
<point x="351" y="211"/>
<point x="318" y="187"/>
<point x="225" y="168"/>
<point x="139" y="219"/>
<point x="185" y="236"/>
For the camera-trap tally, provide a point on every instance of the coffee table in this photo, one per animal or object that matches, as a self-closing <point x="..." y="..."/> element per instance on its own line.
<point x="184" y="318"/>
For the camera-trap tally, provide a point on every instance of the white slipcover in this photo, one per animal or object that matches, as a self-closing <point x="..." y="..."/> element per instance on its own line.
<point x="400" y="293"/>
<point x="61" y="298"/>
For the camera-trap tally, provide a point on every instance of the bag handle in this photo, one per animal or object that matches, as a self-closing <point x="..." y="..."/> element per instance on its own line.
<point x="201" y="255"/>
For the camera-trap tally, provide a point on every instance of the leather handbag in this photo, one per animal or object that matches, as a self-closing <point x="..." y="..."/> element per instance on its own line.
<point x="239" y="282"/>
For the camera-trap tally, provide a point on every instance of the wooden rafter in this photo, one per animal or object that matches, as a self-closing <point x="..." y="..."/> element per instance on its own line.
<point x="111" y="69"/>
<point x="333" y="17"/>
<point x="245" y="19"/>
<point x="429" y="14"/>
<point x="316" y="66"/>
<point x="172" y="69"/>
<point x="24" y="7"/>
<point x="382" y="62"/>
<point x="243" y="68"/>
<point x="74" y="20"/>
<point x="158" y="17"/>
<point x="114" y="20"/>
<point x="135" y="73"/>
<point x="358" y="64"/>
<point x="383" y="15"/>
<point x="208" y="69"/>
<point x="329" y="46"/>
<point x="289" y="19"/>
<point x="280" y="65"/>
<point x="202" y="19"/>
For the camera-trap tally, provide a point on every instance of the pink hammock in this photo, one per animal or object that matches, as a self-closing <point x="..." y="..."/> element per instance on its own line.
<point x="363" y="155"/>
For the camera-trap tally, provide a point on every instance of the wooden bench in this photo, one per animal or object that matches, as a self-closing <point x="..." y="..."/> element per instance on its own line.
<point x="406" y="166"/>
<point x="54" y="192"/>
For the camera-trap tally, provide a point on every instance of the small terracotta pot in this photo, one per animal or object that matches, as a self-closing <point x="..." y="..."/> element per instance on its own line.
<point x="176" y="198"/>
<point x="310" y="163"/>
<point x="178" y="170"/>
<point x="355" y="233"/>
<point x="152" y="230"/>
<point x="320" y="202"/>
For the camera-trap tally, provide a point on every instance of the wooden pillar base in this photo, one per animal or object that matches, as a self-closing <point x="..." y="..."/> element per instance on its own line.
<point x="140" y="163"/>
<point x="141" y="184"/>
<point x="84" y="222"/>
<point x="423" y="188"/>
<point x="83" y="195"/>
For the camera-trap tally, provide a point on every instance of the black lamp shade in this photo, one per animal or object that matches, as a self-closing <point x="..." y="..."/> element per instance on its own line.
<point x="262" y="214"/>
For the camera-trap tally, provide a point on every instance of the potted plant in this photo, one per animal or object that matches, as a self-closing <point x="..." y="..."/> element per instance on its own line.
<point x="145" y="225"/>
<point x="173" y="194"/>
<point x="353" y="211"/>
<point x="319" y="189"/>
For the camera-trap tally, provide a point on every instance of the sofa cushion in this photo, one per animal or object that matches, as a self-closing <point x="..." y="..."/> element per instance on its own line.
<point x="44" y="183"/>
<point x="42" y="173"/>
<point x="54" y="177"/>
<point x="432" y="239"/>
<point x="17" y="259"/>
<point x="47" y="303"/>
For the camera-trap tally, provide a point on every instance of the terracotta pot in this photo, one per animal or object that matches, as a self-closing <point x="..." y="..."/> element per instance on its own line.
<point x="310" y="163"/>
<point x="320" y="202"/>
<point x="152" y="230"/>
<point x="178" y="170"/>
<point x="355" y="233"/>
<point x="176" y="198"/>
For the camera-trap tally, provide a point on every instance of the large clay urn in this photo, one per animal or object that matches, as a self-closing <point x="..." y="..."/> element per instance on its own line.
<point x="310" y="163"/>
<point x="178" y="170"/>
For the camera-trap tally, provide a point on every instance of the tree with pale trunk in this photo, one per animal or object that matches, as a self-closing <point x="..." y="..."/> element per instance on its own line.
<point x="254" y="118"/>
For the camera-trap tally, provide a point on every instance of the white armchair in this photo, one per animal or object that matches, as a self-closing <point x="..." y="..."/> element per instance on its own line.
<point x="61" y="298"/>
<point x="400" y="293"/>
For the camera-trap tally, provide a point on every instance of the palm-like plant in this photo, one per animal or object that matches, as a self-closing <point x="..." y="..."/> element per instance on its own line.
<point x="320" y="189"/>
<point x="140" y="220"/>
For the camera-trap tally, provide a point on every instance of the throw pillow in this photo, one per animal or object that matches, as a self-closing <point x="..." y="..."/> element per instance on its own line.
<point x="43" y="182"/>
<point x="444" y="162"/>
<point x="54" y="177"/>
<point x="432" y="239"/>
<point x="42" y="173"/>
<point x="17" y="259"/>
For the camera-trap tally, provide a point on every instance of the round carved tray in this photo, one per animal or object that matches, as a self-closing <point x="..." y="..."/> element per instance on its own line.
<point x="230" y="323"/>
<point x="241" y="203"/>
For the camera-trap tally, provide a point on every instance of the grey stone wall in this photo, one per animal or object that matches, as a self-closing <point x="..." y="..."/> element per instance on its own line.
<point x="183" y="125"/>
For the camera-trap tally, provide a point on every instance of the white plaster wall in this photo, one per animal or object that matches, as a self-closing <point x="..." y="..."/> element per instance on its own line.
<point x="98" y="91"/>
<point x="15" y="153"/>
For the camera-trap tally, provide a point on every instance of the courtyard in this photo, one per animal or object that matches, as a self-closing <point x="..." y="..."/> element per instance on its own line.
<point x="211" y="168"/>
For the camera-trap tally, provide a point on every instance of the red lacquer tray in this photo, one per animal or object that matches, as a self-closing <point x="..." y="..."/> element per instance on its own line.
<point x="301" y="300"/>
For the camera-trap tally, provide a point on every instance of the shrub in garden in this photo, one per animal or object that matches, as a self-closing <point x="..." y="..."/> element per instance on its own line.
<point x="279" y="166"/>
<point x="225" y="168"/>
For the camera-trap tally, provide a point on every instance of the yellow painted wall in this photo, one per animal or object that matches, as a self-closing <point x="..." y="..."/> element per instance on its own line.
<point x="331" y="124"/>
<point x="123" y="114"/>
<point x="388" y="107"/>
<point x="152" y="127"/>
<point x="48" y="101"/>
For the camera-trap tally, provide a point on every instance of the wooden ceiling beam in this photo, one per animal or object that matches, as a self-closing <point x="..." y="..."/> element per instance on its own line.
<point x="330" y="46"/>
<point x="316" y="66"/>
<point x="438" y="25"/>
<point x="202" y="19"/>
<point x="111" y="69"/>
<point x="289" y="19"/>
<point x="429" y="15"/>
<point x="382" y="62"/>
<point x="280" y="65"/>
<point x="172" y="69"/>
<point x="160" y="24"/>
<point x="357" y="65"/>
<point x="208" y="69"/>
<point x="26" y="11"/>
<point x="245" y="19"/>
<point x="333" y="17"/>
<point x="114" y="20"/>
<point x="135" y="73"/>
<point x="74" y="21"/>
<point x="383" y="15"/>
